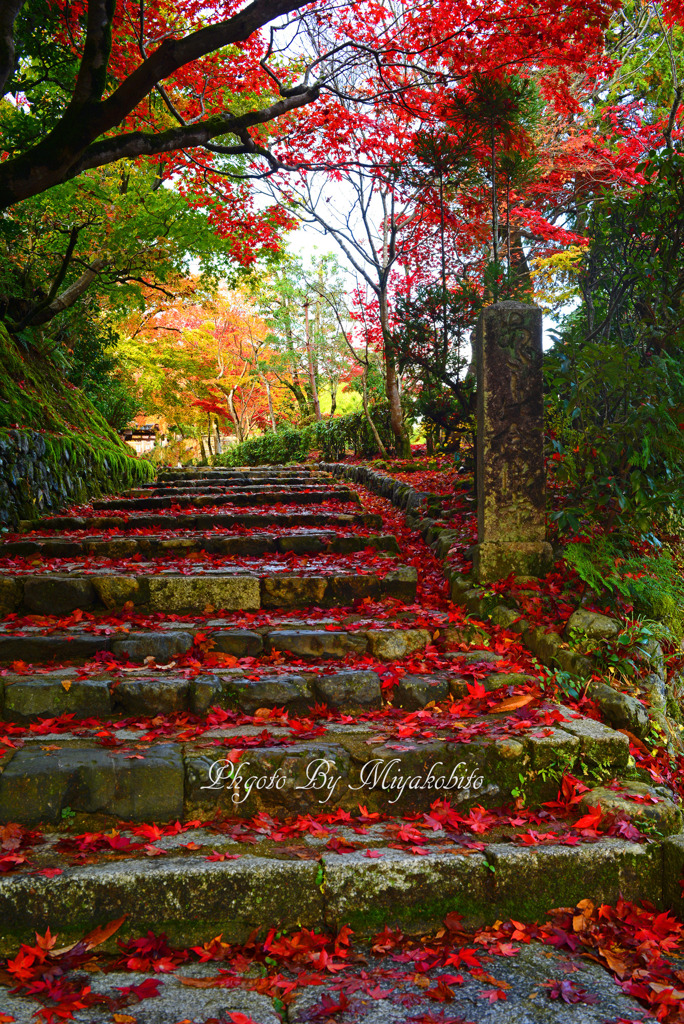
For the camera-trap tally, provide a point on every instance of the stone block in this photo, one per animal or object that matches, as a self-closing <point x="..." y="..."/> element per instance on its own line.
<point x="592" y="625"/>
<point x="500" y="680"/>
<point x="293" y="591"/>
<point x="511" y="476"/>
<point x="160" y="646"/>
<point x="276" y="780"/>
<point x="494" y="561"/>
<point x="400" y="890"/>
<point x="194" y="593"/>
<point x="205" y="692"/>
<point x="400" y="584"/>
<point x="527" y="882"/>
<point x="348" y="691"/>
<point x="343" y="590"/>
<point x="598" y="743"/>
<point x="393" y="644"/>
<point x="414" y="692"/>
<point x="36" y="649"/>
<point x="58" y="595"/>
<point x="11" y="592"/>
<point x="27" y="697"/>
<point x="116" y="591"/>
<point x="292" y="692"/>
<point x="620" y="710"/>
<point x="673" y="873"/>
<point x="473" y="657"/>
<point x="316" y="643"/>
<point x="303" y="543"/>
<point x="186" y="898"/>
<point x="159" y="695"/>
<point x="665" y="815"/>
<point x="36" y="785"/>
<point x="553" y="747"/>
<point x="241" y="643"/>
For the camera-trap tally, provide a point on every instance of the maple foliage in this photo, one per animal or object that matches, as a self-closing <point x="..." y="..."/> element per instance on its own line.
<point x="634" y="943"/>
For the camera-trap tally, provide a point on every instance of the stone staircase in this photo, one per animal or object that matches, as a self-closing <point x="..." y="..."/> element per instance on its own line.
<point x="251" y="710"/>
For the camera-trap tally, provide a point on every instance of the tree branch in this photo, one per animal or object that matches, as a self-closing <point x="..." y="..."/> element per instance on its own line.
<point x="9" y="10"/>
<point x="70" y="295"/>
<point x="54" y="288"/>
<point x="92" y="73"/>
<point x="134" y="144"/>
<point x="54" y="158"/>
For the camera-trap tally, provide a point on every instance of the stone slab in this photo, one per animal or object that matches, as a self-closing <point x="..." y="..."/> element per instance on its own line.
<point x="400" y="890"/>
<point x="31" y="697"/>
<point x="190" y="900"/>
<point x="194" y="593"/>
<point x="36" y="784"/>
<point x="527" y="882"/>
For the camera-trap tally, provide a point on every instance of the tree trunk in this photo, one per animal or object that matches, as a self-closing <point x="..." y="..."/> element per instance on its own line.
<point x="495" y="217"/>
<point x="403" y="444"/>
<point x="445" y="337"/>
<point x="234" y="416"/>
<point x="269" y="397"/>
<point x="312" y="371"/>
<point x="70" y="295"/>
<point x="211" y="454"/>
<point x="518" y="260"/>
<point x="374" y="431"/>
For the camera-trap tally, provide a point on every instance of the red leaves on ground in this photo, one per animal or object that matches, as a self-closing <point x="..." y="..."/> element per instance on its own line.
<point x="151" y="953"/>
<point x="569" y="992"/>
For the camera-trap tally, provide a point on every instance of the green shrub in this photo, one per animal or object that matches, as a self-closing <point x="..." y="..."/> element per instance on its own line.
<point x="332" y="438"/>
<point x="653" y="583"/>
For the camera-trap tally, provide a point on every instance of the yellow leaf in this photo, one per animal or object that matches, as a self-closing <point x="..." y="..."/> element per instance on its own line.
<point x="511" y="703"/>
<point x="66" y="684"/>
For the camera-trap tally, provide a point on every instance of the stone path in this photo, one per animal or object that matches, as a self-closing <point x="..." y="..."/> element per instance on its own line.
<point x="220" y="714"/>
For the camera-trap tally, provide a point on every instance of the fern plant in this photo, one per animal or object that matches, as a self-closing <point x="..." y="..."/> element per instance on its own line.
<point x="653" y="583"/>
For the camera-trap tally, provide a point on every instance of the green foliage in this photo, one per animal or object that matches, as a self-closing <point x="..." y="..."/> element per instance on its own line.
<point x="615" y="377"/>
<point x="332" y="438"/>
<point x="653" y="583"/>
<point x="300" y="304"/>
<point x="431" y="345"/>
<point x="35" y="393"/>
<point x="87" y="345"/>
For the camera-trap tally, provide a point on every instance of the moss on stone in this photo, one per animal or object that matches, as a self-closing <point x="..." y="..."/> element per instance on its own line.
<point x="55" y="447"/>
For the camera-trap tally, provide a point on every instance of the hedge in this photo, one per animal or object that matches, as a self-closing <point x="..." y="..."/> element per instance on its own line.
<point x="332" y="438"/>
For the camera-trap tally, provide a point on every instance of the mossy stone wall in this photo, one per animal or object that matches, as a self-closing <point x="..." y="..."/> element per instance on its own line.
<point x="42" y="472"/>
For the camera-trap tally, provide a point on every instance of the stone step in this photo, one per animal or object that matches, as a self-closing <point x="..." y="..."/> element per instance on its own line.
<point x="204" y="521"/>
<point x="382" y="986"/>
<point x="225" y="489"/>
<point x="246" y="473"/>
<point x="239" y="498"/>
<point x="211" y="483"/>
<point x="252" y="770"/>
<point x="34" y="647"/>
<point x="191" y="895"/>
<point x="156" y="545"/>
<point x="60" y="594"/>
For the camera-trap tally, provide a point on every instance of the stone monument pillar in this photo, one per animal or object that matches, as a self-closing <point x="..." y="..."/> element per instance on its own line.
<point x="511" y="481"/>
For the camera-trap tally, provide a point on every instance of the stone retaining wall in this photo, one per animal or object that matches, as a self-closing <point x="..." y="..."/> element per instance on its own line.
<point x="42" y="472"/>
